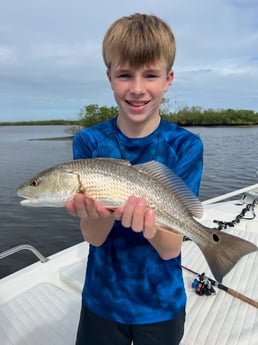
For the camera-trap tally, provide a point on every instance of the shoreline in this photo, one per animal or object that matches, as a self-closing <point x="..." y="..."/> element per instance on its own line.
<point x="66" y="138"/>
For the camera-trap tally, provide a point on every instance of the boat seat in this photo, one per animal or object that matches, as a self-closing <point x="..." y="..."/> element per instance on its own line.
<point x="73" y="275"/>
<point x="221" y="319"/>
<point x="45" y="314"/>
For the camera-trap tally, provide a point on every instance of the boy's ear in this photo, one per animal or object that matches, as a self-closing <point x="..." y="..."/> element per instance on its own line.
<point x="108" y="75"/>
<point x="170" y="78"/>
<point x="109" y="78"/>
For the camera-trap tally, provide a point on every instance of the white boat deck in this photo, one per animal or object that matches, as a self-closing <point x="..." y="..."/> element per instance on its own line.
<point x="42" y="309"/>
<point x="48" y="312"/>
<point x="45" y="314"/>
<point x="222" y="319"/>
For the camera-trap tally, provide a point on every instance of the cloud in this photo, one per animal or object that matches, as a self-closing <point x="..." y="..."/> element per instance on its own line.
<point x="51" y="63"/>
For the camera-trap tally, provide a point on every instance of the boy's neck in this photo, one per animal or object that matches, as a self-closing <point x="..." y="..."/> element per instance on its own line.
<point x="137" y="130"/>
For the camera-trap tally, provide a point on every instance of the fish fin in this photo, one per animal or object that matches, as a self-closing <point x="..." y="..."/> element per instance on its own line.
<point x="173" y="182"/>
<point x="226" y="251"/>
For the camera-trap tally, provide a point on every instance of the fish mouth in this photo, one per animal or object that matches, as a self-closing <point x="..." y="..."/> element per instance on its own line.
<point x="41" y="203"/>
<point x="26" y="198"/>
<point x="27" y="201"/>
<point x="37" y="202"/>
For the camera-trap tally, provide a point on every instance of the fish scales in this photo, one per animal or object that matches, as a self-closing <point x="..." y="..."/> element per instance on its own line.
<point x="112" y="188"/>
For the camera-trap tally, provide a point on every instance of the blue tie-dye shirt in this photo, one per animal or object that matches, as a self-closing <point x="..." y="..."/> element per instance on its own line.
<point x="126" y="279"/>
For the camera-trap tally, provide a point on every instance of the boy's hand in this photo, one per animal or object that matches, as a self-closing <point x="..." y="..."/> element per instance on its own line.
<point x="84" y="207"/>
<point x="136" y="215"/>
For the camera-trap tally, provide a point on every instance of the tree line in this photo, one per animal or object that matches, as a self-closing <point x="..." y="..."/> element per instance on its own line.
<point x="185" y="116"/>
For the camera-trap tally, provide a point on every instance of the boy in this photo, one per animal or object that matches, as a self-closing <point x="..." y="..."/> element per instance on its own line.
<point x="134" y="288"/>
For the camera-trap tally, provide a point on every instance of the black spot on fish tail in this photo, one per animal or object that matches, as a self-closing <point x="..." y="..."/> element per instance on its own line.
<point x="225" y="252"/>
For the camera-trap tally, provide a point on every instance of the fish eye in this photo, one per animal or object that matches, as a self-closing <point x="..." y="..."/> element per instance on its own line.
<point x="34" y="183"/>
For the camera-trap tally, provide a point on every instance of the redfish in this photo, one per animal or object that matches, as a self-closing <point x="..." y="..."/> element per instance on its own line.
<point x="111" y="181"/>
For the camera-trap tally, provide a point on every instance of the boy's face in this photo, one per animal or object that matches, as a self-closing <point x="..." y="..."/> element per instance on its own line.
<point x="139" y="91"/>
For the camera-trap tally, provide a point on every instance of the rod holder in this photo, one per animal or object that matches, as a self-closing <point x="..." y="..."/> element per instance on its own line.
<point x="21" y="247"/>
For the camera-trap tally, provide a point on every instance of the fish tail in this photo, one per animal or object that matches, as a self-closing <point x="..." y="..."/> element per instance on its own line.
<point x="225" y="252"/>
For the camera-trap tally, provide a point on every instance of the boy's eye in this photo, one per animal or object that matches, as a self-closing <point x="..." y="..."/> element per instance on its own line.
<point x="124" y="75"/>
<point x="151" y="75"/>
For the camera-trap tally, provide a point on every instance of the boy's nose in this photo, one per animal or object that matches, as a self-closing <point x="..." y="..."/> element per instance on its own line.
<point x="137" y="86"/>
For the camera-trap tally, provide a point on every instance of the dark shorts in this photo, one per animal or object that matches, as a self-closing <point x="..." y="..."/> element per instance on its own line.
<point x="95" y="330"/>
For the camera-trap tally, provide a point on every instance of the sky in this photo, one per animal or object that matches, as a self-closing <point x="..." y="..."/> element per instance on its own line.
<point x="51" y="62"/>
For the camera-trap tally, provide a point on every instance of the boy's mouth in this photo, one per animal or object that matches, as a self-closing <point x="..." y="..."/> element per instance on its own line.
<point x="137" y="103"/>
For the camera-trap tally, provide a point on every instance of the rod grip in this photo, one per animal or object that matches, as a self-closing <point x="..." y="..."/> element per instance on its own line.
<point x="243" y="297"/>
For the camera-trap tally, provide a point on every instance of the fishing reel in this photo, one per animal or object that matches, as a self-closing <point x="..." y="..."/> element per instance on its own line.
<point x="203" y="286"/>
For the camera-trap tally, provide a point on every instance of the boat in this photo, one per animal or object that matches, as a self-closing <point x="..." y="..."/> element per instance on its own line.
<point x="40" y="304"/>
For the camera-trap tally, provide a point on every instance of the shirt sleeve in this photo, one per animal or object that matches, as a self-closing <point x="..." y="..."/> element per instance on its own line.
<point x="190" y="163"/>
<point x="81" y="148"/>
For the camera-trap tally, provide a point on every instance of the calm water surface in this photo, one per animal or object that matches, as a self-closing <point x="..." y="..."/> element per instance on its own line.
<point x="230" y="162"/>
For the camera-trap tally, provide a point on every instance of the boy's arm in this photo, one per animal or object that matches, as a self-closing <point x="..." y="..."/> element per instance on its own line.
<point x="167" y="244"/>
<point x="95" y="221"/>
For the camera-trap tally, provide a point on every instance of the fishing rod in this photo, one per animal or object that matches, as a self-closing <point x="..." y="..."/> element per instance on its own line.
<point x="230" y="291"/>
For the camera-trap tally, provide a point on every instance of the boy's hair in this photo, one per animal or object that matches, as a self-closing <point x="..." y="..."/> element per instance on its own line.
<point x="139" y="39"/>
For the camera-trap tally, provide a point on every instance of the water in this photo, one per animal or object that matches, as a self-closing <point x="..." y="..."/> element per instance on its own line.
<point x="48" y="229"/>
<point x="230" y="162"/>
<point x="230" y="159"/>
